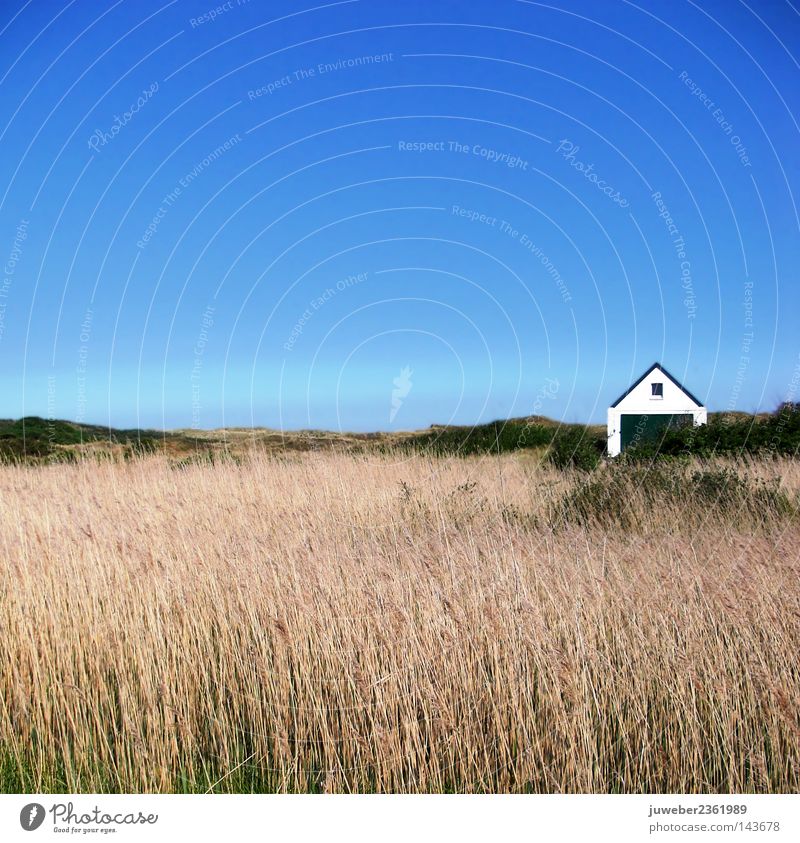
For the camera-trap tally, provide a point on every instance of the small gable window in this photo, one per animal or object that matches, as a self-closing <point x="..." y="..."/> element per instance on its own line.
<point x="657" y="390"/>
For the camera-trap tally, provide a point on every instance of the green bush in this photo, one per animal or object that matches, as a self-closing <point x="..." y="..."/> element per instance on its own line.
<point x="778" y="434"/>
<point x="576" y="448"/>
<point x="37" y="440"/>
<point x="624" y="495"/>
<point x="569" y="446"/>
<point x="493" y="438"/>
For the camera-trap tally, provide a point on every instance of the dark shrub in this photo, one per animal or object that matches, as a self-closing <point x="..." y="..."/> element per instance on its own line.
<point x="624" y="494"/>
<point x="576" y="447"/>
<point x="777" y="434"/>
<point x="493" y="438"/>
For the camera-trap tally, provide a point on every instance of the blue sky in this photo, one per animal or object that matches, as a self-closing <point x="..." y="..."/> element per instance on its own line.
<point x="369" y="215"/>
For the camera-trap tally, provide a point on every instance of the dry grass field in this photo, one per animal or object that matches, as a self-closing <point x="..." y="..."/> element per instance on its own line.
<point x="334" y="622"/>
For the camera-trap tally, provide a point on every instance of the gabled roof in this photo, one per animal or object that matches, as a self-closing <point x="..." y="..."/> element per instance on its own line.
<point x="667" y="375"/>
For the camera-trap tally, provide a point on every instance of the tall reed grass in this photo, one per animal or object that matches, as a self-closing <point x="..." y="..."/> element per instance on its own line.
<point x="345" y="623"/>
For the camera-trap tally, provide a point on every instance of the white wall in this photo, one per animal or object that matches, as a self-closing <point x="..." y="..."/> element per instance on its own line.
<point x="640" y="401"/>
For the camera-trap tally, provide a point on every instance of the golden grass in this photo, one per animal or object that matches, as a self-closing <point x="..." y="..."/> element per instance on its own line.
<point x="358" y="623"/>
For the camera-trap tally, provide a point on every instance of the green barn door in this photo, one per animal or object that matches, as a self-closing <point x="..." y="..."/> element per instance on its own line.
<point x="644" y="427"/>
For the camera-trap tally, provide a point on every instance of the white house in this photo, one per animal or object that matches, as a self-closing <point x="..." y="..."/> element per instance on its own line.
<point x="655" y="402"/>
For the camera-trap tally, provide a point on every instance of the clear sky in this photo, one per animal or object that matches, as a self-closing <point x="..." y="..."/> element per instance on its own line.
<point x="381" y="215"/>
